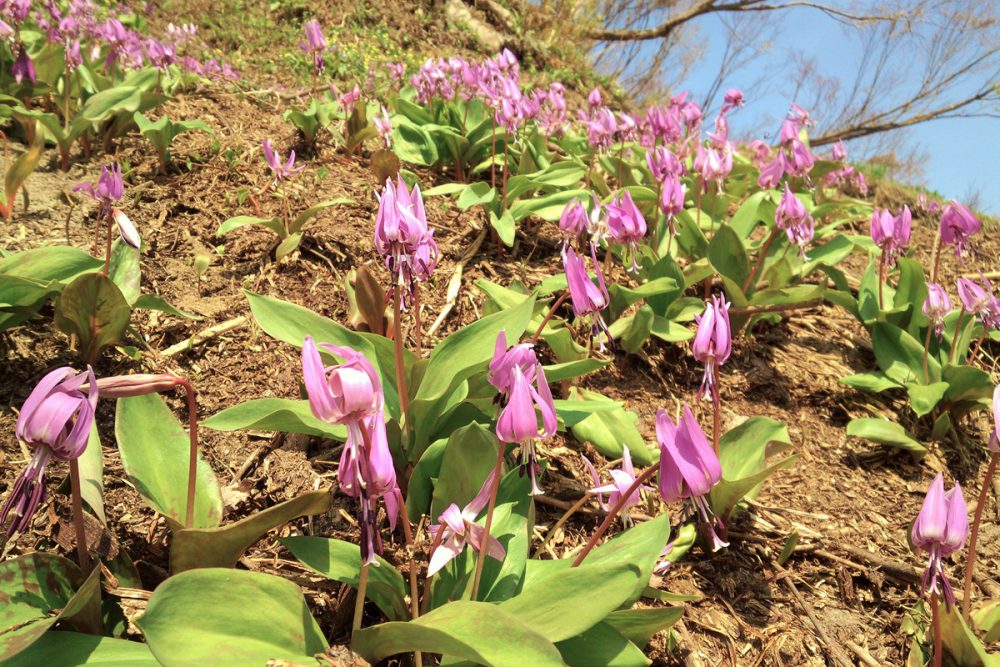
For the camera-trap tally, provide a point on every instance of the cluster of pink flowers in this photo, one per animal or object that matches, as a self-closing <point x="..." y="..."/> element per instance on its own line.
<point x="793" y="157"/>
<point x="87" y="33"/>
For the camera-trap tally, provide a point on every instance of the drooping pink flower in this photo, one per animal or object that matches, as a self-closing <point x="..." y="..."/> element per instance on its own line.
<point x="689" y="467"/>
<point x="663" y="163"/>
<point x="24" y="66"/>
<point x="672" y="199"/>
<point x="315" y="45"/>
<point x="403" y="237"/>
<point x="936" y="307"/>
<point x="890" y="232"/>
<point x="940" y="529"/>
<point x="573" y="221"/>
<point x="350" y="394"/>
<point x="713" y="342"/>
<point x="588" y="299"/>
<point x="958" y="225"/>
<point x="383" y="125"/>
<point x="109" y="188"/>
<point x="792" y="217"/>
<point x="626" y="225"/>
<point x="520" y="381"/>
<point x="458" y="528"/>
<point x="55" y="422"/>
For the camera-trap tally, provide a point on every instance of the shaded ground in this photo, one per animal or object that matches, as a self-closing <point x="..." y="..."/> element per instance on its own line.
<point x="842" y="491"/>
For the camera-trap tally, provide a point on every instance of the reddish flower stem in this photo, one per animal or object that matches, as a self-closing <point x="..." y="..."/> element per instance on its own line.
<point x="481" y="559"/>
<point x="610" y="518"/>
<point x="716" y="416"/>
<point x="548" y="316"/>
<point x="970" y="561"/>
<point x="936" y="629"/>
<point x="107" y="247"/>
<point x="760" y="260"/>
<point x="881" y="281"/>
<point x="927" y="347"/>
<point x="417" y="337"/>
<point x="359" y="603"/>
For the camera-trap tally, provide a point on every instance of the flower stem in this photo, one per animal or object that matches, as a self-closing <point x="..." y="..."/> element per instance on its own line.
<point x="936" y="628"/>
<point x="610" y="518"/>
<point x="107" y="246"/>
<point x="359" y="603"/>
<point x="493" y="156"/>
<point x="936" y="262"/>
<point x="418" y="658"/>
<point x="481" y="559"/>
<point x="957" y="337"/>
<point x="927" y="347"/>
<point x="397" y="327"/>
<point x="506" y="148"/>
<point x="559" y="524"/>
<point x="760" y="260"/>
<point x="881" y="280"/>
<point x="975" y="350"/>
<point x="427" y="580"/>
<point x="548" y="316"/>
<point x="78" y="526"/>
<point x="716" y="416"/>
<point x="417" y="337"/>
<point x="193" y="450"/>
<point x="970" y="561"/>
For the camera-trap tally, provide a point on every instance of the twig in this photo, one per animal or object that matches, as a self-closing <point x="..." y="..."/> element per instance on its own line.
<point x="832" y="648"/>
<point x="863" y="655"/>
<point x="455" y="284"/>
<point x="202" y="336"/>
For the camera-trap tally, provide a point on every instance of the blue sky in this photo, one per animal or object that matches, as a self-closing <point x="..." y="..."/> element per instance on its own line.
<point x="962" y="154"/>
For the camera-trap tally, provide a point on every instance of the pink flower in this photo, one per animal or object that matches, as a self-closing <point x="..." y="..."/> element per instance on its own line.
<point x="940" y="529"/>
<point x="626" y="225"/>
<point x="936" y="307"/>
<point x="278" y="170"/>
<point x="522" y="387"/>
<point x="588" y="299"/>
<point x="958" y="225"/>
<point x="689" y="467"/>
<point x="458" y="528"/>
<point x="839" y="152"/>
<point x="792" y="217"/>
<point x="403" y="237"/>
<point x="713" y="342"/>
<point x="127" y="231"/>
<point x="672" y="199"/>
<point x="994" y="443"/>
<point x="621" y="480"/>
<point x="55" y="421"/>
<point x="573" y="221"/>
<point x="383" y="125"/>
<point x="890" y="232"/>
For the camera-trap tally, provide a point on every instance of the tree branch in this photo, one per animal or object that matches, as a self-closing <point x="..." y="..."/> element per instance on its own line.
<point x="713" y="7"/>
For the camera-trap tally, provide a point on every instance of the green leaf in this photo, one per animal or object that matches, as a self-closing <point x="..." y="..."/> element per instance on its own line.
<point x="548" y="207"/>
<point x="476" y="194"/>
<point x="341" y="561"/>
<point x="91" y="465"/>
<point x="879" y="429"/>
<point x="623" y="297"/>
<point x="37" y="590"/>
<point x="20" y="169"/>
<point x="291" y="323"/>
<point x="222" y="547"/>
<point x="639" y="625"/>
<point x="229" y="618"/>
<point x="872" y="381"/>
<point x="670" y="331"/>
<point x="513" y="521"/>
<point x="562" y="604"/>
<point x="967" y="383"/>
<point x="961" y="643"/>
<point x="987" y="620"/>
<point x="505" y="226"/>
<point x="900" y="355"/>
<point x="468" y="459"/>
<point x="287" y="245"/>
<point x="925" y="397"/>
<point x="602" y="646"/>
<point x="302" y="218"/>
<point x="608" y="430"/>
<point x="74" y="648"/>
<point x="412" y="144"/>
<point x="574" y="369"/>
<point x="124" y="270"/>
<point x="285" y="415"/>
<point x="457" y="358"/>
<point x="93" y="309"/>
<point x="155" y="454"/>
<point x="634" y="330"/>
<point x="60" y="263"/>
<point x="745" y="453"/>
<point x="477" y="631"/>
<point x="274" y="224"/>
<point x="427" y="469"/>
<point x="640" y="546"/>
<point x="728" y="256"/>
<point x="155" y="302"/>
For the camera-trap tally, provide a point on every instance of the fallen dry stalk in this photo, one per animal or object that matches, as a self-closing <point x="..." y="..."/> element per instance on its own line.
<point x="204" y="335"/>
